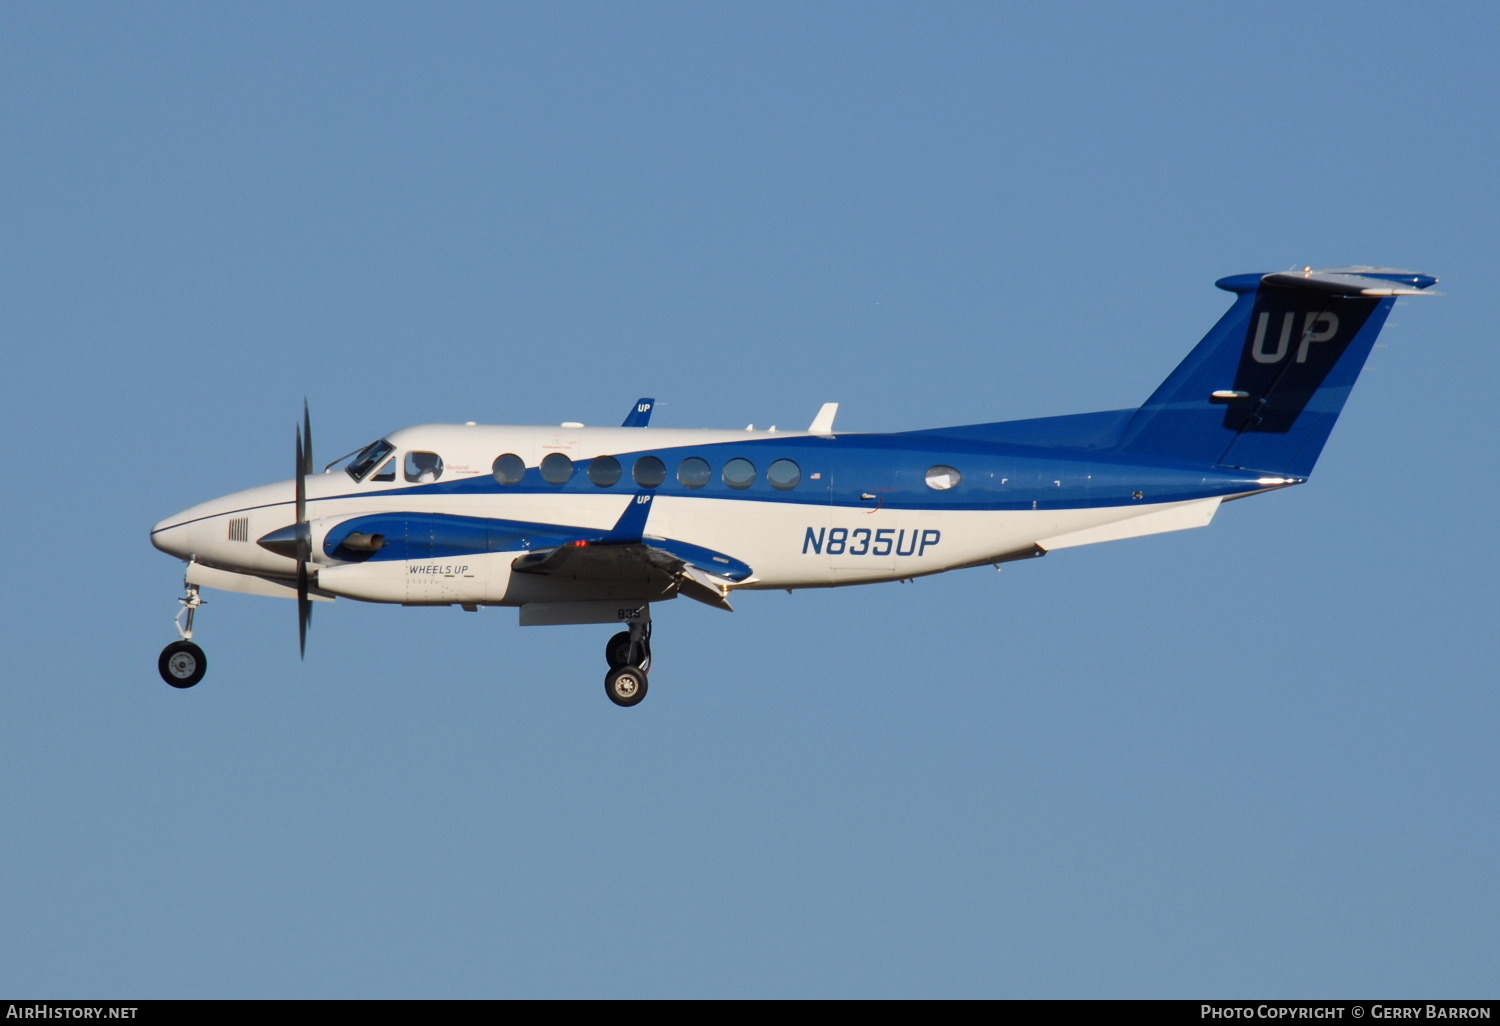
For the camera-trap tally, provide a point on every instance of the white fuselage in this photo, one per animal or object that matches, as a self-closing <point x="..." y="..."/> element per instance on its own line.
<point x="833" y="527"/>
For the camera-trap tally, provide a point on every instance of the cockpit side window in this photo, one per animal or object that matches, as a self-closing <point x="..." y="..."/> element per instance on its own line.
<point x="369" y="458"/>
<point x="387" y="473"/>
<point x="423" y="467"/>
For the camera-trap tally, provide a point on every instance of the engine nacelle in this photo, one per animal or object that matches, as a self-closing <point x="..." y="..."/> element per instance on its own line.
<point x="455" y="580"/>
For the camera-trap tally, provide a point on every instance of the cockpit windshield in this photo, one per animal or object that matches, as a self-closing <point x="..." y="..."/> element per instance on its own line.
<point x="369" y="458"/>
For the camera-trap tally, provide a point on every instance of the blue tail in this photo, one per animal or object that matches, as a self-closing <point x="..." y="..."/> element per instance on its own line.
<point x="1262" y="390"/>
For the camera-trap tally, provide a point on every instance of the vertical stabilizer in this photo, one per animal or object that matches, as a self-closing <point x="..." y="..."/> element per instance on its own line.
<point x="1264" y="387"/>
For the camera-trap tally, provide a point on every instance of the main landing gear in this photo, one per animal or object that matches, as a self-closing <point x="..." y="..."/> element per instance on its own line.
<point x="182" y="663"/>
<point x="629" y="656"/>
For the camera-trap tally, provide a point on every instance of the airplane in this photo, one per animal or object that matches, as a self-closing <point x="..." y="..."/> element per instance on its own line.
<point x="578" y="525"/>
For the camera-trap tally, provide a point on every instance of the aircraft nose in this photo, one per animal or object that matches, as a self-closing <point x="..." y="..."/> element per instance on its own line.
<point x="217" y="531"/>
<point x="171" y="536"/>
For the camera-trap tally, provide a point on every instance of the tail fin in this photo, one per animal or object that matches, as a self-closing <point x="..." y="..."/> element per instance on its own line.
<point x="640" y="413"/>
<point x="1263" y="388"/>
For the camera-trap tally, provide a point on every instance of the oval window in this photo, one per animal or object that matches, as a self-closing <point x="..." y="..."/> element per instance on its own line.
<point x="509" y="469"/>
<point x="556" y="468"/>
<point x="694" y="472"/>
<point x="739" y="473"/>
<point x="604" y="471"/>
<point x="649" y="472"/>
<point x="784" y="475"/>
<point x="942" y="478"/>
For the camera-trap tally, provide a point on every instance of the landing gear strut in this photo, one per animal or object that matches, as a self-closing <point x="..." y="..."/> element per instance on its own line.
<point x="182" y="663"/>
<point x="629" y="656"/>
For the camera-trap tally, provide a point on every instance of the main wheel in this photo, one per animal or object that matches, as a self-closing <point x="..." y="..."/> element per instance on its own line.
<point x="625" y="685"/>
<point x="617" y="650"/>
<point x="182" y="664"/>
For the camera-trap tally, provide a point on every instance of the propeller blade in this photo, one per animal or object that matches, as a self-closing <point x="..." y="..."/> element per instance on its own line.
<point x="306" y="464"/>
<point x="301" y="479"/>
<point x="303" y="542"/>
<point x="304" y="610"/>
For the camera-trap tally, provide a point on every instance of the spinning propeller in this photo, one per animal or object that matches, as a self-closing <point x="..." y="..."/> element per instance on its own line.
<point x="295" y="540"/>
<point x="304" y="529"/>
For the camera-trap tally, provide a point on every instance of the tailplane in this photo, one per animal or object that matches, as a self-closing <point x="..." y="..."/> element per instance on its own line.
<point x="1264" y="387"/>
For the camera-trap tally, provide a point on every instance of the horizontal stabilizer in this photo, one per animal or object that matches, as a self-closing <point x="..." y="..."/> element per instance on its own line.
<point x="1354" y="281"/>
<point x="1173" y="518"/>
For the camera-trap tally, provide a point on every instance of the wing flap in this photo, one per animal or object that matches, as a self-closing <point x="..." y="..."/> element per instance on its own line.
<point x="649" y="564"/>
<point x="705" y="587"/>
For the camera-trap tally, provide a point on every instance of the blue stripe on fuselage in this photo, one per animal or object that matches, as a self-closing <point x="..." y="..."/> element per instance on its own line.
<point x="893" y="467"/>
<point x="410" y="536"/>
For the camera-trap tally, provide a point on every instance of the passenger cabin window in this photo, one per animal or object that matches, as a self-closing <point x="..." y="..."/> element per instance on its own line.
<point x="509" y="469"/>
<point x="556" y="468"/>
<point x="694" y="472"/>
<point x="739" y="473"/>
<point x="784" y="475"/>
<point x="369" y="458"/>
<point x="423" y="467"/>
<point x="649" y="472"/>
<point x="604" y="471"/>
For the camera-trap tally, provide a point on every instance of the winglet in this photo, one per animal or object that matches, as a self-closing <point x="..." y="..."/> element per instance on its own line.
<point x="631" y="527"/>
<point x="640" y="413"/>
<point x="823" y="423"/>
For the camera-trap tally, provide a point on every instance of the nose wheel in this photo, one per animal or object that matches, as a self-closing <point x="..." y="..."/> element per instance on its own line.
<point x="629" y="656"/>
<point x="182" y="663"/>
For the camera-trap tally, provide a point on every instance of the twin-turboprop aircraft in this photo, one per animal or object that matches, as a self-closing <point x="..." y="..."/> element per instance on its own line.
<point x="592" y="525"/>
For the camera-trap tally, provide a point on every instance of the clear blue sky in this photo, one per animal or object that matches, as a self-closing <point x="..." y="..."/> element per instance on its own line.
<point x="1257" y="759"/>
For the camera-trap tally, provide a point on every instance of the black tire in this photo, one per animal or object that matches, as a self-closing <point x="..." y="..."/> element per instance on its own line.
<point x="617" y="650"/>
<point x="182" y="664"/>
<point x="625" y="685"/>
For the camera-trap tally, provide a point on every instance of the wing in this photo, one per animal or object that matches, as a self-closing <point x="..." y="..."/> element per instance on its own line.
<point x="627" y="555"/>
<point x="659" y="564"/>
<point x="621" y="555"/>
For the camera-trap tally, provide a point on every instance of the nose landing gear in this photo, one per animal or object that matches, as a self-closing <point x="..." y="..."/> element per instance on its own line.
<point x="629" y="656"/>
<point x="182" y="663"/>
